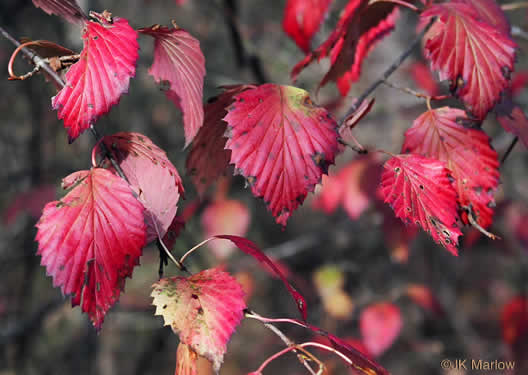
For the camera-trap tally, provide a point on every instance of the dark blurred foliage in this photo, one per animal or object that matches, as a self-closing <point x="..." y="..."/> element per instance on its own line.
<point x="41" y="334"/>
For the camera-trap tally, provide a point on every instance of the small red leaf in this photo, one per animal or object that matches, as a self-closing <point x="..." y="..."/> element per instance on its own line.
<point x="420" y="192"/>
<point x="91" y="240"/>
<point x="475" y="56"/>
<point x="186" y="359"/>
<point x="179" y="61"/>
<point x="353" y="187"/>
<point x="203" y="310"/>
<point x="424" y="297"/>
<point x="380" y="324"/>
<point x="423" y="78"/>
<point x="250" y="248"/>
<point x="67" y="9"/>
<point x="514" y="320"/>
<point x="282" y="143"/>
<point x="225" y="216"/>
<point x="513" y="119"/>
<point x="152" y="176"/>
<point x="440" y="134"/>
<point x="208" y="159"/>
<point x="96" y="82"/>
<point x="359" y="28"/>
<point x="302" y="19"/>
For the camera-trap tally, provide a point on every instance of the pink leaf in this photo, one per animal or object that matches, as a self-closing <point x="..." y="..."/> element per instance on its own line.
<point x="31" y="201"/>
<point x="152" y="176"/>
<point x="91" y="240"/>
<point x="96" y="82"/>
<point x="475" y="56"/>
<point x="67" y="9"/>
<point x="207" y="159"/>
<point x="420" y="192"/>
<point x="380" y="324"/>
<point x="441" y="134"/>
<point x="178" y="61"/>
<point x="359" y="28"/>
<point x="225" y="216"/>
<point x="250" y="248"/>
<point x="282" y="143"/>
<point x="302" y="19"/>
<point x="203" y="310"/>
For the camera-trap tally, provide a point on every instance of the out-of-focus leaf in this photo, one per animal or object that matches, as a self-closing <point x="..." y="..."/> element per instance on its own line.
<point x="67" y="9"/>
<point x="380" y="324"/>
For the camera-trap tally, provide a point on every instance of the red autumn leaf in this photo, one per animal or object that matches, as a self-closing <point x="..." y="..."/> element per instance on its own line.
<point x="440" y="134"/>
<point x="352" y="187"/>
<point x="380" y="324"/>
<point x="186" y="359"/>
<point x="177" y="225"/>
<point x="91" y="240"/>
<point x="424" y="297"/>
<point x="513" y="119"/>
<point x="31" y="201"/>
<point x="420" y="192"/>
<point x="302" y="19"/>
<point x="423" y="78"/>
<point x="179" y="61"/>
<point x="475" y="56"/>
<point x="514" y="319"/>
<point x="281" y="143"/>
<point x="224" y="216"/>
<point x="152" y="176"/>
<point x="208" y="159"/>
<point x="96" y="82"/>
<point x="359" y="28"/>
<point x="67" y="9"/>
<point x="491" y="13"/>
<point x="250" y="248"/>
<point x="203" y="310"/>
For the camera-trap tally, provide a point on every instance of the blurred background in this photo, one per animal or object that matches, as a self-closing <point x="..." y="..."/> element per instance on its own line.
<point x="391" y="292"/>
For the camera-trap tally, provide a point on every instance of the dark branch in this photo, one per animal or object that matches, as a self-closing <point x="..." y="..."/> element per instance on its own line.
<point x="509" y="150"/>
<point x="387" y="73"/>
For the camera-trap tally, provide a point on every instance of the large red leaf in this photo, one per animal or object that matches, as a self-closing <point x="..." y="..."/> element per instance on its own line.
<point x="179" y="61"/>
<point x="282" y="143"/>
<point x="474" y="165"/>
<point x="208" y="159"/>
<point x="420" y="192"/>
<point x="475" y="56"/>
<point x="91" y="240"/>
<point x="96" y="82"/>
<point x="359" y="28"/>
<point x="152" y="176"/>
<point x="68" y="9"/>
<point x="380" y="324"/>
<point x="203" y="310"/>
<point x="250" y="248"/>
<point x="302" y="19"/>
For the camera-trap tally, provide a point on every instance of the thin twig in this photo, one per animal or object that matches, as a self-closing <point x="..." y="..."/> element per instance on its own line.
<point x="387" y="73"/>
<point x="514" y="6"/>
<point x="415" y="93"/>
<point x="477" y="226"/>
<point x="34" y="57"/>
<point x="509" y="150"/>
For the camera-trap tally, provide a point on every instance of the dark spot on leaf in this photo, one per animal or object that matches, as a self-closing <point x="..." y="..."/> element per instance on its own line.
<point x="95" y="37"/>
<point x="251" y="181"/>
<point x="194" y="296"/>
<point x="164" y="307"/>
<point x="200" y="310"/>
<point x="421" y="187"/>
<point x="319" y="160"/>
<point x="260" y="100"/>
<point x="397" y="170"/>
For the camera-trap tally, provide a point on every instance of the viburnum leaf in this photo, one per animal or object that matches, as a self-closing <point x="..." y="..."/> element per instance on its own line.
<point x="475" y="56"/>
<point x="186" y="359"/>
<point x="96" y="82"/>
<point x="67" y="9"/>
<point x="91" y="240"/>
<point x="380" y="324"/>
<point x="359" y="28"/>
<point x="513" y="119"/>
<point x="353" y="186"/>
<point x="208" y="159"/>
<point x="302" y="19"/>
<point x="491" y="13"/>
<point x="224" y="216"/>
<point x="203" y="310"/>
<point x="152" y="176"/>
<point x="420" y="192"/>
<point x="474" y="165"/>
<point x="252" y="249"/>
<point x="281" y="143"/>
<point x="179" y="63"/>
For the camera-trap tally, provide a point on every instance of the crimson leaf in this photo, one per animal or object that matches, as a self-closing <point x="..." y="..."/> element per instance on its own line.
<point x="68" y="9"/>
